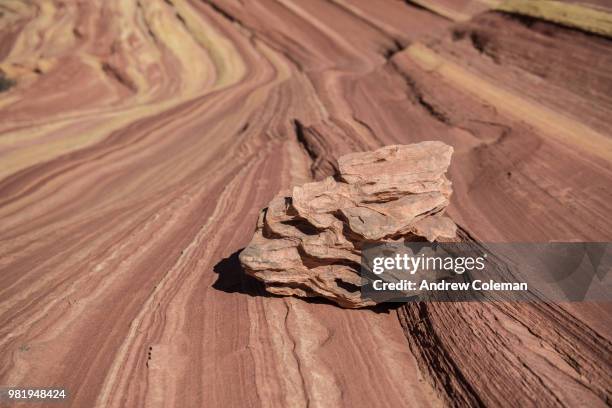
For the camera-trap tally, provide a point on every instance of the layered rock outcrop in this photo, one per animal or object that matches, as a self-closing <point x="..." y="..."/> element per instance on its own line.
<point x="308" y="241"/>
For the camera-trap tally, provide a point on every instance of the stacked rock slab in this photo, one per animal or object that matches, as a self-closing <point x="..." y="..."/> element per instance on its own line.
<point x="308" y="241"/>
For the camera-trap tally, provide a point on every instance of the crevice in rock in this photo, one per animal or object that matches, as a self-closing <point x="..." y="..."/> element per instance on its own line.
<point x="302" y="225"/>
<point x="394" y="49"/>
<point x="349" y="287"/>
<point x="314" y="143"/>
<point x="118" y="76"/>
<point x="301" y="138"/>
<point x="419" y="97"/>
<point x="228" y="16"/>
<point x="482" y="43"/>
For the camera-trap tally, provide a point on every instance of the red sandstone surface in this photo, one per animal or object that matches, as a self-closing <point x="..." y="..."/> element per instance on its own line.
<point x="140" y="139"/>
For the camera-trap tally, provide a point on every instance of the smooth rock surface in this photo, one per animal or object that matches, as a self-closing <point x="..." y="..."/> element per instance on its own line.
<point x="308" y="241"/>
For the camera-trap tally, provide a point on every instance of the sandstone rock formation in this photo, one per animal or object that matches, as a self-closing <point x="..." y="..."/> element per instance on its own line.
<point x="140" y="136"/>
<point x="308" y="241"/>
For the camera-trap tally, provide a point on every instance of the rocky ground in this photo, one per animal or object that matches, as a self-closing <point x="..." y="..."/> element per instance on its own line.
<point x="140" y="139"/>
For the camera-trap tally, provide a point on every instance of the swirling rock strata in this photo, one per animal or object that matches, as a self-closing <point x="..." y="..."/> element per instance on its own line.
<point x="308" y="241"/>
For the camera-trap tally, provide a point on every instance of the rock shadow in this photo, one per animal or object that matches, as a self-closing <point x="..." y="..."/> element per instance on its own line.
<point x="233" y="279"/>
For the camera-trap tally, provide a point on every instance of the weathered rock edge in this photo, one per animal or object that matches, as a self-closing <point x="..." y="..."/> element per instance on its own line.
<point x="308" y="240"/>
